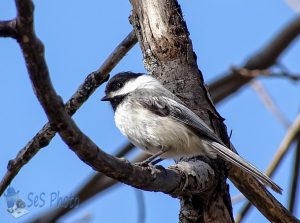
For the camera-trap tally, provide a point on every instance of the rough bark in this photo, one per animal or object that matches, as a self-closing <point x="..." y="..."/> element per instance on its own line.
<point x="169" y="56"/>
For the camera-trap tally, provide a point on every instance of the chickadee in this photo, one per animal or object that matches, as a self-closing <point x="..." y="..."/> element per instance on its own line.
<point x="157" y="121"/>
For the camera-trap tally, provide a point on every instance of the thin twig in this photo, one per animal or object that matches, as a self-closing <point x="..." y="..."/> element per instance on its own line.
<point x="86" y="218"/>
<point x="141" y="208"/>
<point x="265" y="73"/>
<point x="269" y="103"/>
<point x="295" y="179"/>
<point x="263" y="59"/>
<point x="237" y="198"/>
<point x="284" y="146"/>
<point x="44" y="136"/>
<point x="282" y="150"/>
<point x="294" y="5"/>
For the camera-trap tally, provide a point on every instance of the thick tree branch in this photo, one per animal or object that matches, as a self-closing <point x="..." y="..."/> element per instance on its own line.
<point x="168" y="55"/>
<point x="265" y="58"/>
<point x="8" y="29"/>
<point x="44" y="136"/>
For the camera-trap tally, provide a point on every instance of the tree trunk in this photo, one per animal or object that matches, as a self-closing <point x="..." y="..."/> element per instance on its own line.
<point x="169" y="56"/>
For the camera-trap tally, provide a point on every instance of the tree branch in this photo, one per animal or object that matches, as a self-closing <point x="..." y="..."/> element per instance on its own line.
<point x="168" y="54"/>
<point x="295" y="179"/>
<point x="269" y="103"/>
<point x="266" y="73"/>
<point x="265" y="58"/>
<point x="44" y="136"/>
<point x="8" y="29"/>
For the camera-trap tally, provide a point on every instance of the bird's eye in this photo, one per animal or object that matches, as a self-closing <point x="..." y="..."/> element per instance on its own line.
<point x="119" y="85"/>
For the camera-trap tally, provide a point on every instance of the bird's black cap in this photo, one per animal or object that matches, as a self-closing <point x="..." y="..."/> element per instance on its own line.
<point x="118" y="81"/>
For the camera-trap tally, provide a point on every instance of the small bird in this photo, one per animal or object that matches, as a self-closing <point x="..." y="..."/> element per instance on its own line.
<point x="157" y="121"/>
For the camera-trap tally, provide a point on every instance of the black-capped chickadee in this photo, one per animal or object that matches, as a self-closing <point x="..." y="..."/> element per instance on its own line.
<point x="157" y="121"/>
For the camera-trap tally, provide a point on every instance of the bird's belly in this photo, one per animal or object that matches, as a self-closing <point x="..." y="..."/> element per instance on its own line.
<point x="154" y="133"/>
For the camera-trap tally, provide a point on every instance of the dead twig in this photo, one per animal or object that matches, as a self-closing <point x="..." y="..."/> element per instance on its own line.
<point x="265" y="73"/>
<point x="263" y="59"/>
<point x="269" y="103"/>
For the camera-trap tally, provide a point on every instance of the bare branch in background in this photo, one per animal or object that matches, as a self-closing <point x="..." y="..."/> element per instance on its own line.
<point x="86" y="218"/>
<point x="237" y="198"/>
<point x="269" y="103"/>
<point x="141" y="208"/>
<point x="294" y="5"/>
<point x="295" y="181"/>
<point x="285" y="144"/>
<point x="44" y="136"/>
<point x="265" y="58"/>
<point x="266" y="73"/>
<point x="289" y="138"/>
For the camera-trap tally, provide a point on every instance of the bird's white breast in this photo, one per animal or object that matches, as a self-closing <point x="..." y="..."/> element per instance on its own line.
<point x="152" y="132"/>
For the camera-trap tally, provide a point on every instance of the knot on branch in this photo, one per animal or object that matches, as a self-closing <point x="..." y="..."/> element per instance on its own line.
<point x="199" y="177"/>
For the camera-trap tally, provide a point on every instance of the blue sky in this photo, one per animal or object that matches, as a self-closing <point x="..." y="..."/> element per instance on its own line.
<point x="78" y="37"/>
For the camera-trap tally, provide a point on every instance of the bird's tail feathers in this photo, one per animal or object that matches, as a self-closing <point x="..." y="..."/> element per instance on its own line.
<point x="235" y="159"/>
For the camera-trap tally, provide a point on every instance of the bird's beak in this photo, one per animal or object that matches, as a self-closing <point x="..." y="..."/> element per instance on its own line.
<point x="105" y="98"/>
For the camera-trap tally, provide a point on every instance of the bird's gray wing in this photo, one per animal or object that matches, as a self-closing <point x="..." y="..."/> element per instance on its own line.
<point x="163" y="105"/>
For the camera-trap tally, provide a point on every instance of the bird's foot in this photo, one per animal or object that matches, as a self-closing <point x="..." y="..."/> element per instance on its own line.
<point x="151" y="160"/>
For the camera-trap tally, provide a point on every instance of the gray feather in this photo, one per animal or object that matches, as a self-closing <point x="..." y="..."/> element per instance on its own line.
<point x="237" y="160"/>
